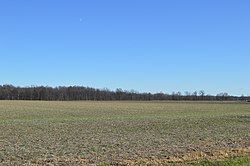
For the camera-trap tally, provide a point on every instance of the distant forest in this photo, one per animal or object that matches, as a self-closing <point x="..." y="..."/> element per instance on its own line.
<point x="71" y="93"/>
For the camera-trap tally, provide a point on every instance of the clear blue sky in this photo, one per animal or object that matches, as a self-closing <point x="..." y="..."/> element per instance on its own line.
<point x="146" y="45"/>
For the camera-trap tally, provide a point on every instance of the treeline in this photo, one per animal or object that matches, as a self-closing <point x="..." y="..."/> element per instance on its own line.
<point x="10" y="92"/>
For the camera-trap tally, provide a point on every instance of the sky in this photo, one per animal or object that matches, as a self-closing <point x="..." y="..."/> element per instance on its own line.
<point x="146" y="45"/>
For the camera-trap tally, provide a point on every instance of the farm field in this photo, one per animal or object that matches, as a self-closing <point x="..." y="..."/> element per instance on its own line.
<point x="122" y="133"/>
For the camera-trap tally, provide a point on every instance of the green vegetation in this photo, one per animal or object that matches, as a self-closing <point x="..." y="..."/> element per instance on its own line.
<point x="38" y="132"/>
<point x="242" y="161"/>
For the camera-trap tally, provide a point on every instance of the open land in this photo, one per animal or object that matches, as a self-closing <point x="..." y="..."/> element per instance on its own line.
<point x="123" y="133"/>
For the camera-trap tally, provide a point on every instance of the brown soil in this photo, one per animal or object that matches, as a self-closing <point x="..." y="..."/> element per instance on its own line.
<point x="191" y="157"/>
<point x="176" y="160"/>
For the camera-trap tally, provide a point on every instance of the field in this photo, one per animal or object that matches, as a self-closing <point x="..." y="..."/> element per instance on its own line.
<point x="129" y="133"/>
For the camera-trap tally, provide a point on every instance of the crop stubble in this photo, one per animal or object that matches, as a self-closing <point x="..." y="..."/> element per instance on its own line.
<point x="113" y="132"/>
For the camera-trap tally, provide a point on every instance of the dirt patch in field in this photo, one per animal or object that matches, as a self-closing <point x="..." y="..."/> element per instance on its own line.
<point x="175" y="160"/>
<point x="190" y="157"/>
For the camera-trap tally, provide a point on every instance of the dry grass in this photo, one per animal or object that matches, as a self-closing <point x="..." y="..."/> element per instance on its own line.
<point x="74" y="133"/>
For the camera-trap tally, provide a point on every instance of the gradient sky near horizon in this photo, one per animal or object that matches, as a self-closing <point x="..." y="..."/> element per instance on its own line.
<point x="146" y="45"/>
